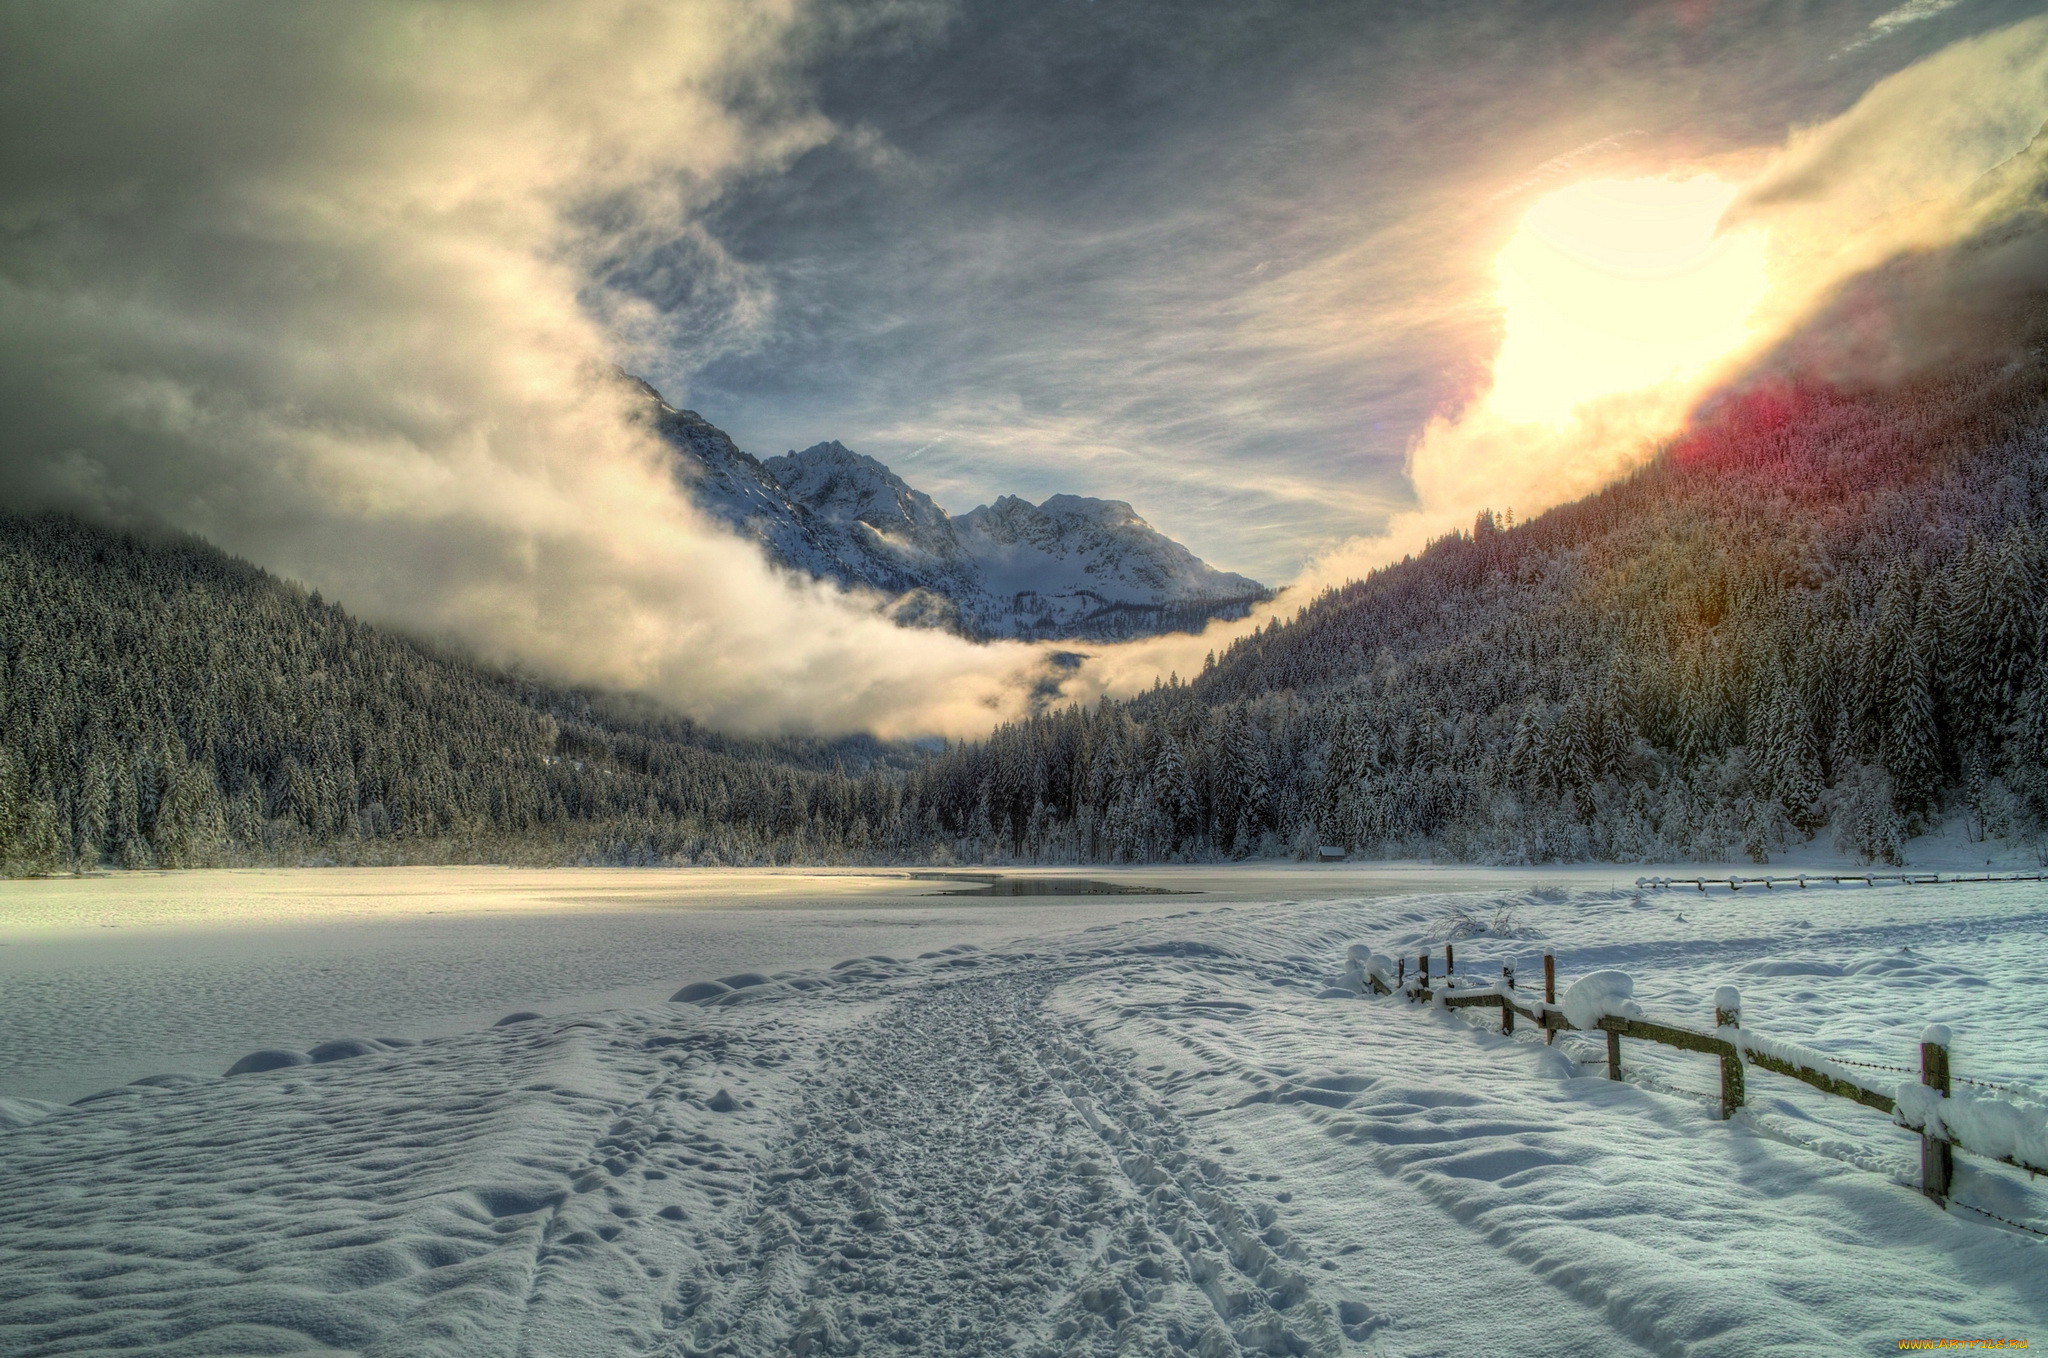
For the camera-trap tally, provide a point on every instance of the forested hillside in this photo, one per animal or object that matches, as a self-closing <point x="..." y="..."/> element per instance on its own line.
<point x="1817" y="612"/>
<point x="163" y="704"/>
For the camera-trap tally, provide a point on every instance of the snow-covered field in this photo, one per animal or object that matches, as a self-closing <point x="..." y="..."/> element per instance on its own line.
<point x="112" y="978"/>
<point x="1146" y="1126"/>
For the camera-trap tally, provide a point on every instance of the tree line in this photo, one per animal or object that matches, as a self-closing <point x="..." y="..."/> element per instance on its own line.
<point x="165" y="705"/>
<point x="1817" y="613"/>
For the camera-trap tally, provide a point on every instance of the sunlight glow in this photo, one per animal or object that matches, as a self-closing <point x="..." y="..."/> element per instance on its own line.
<point x="1616" y="285"/>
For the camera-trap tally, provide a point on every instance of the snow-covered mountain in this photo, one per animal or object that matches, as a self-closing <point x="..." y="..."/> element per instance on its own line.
<point x="1070" y="568"/>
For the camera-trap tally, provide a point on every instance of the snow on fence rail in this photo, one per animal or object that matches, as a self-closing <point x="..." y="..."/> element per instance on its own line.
<point x="1805" y="879"/>
<point x="2014" y="1133"/>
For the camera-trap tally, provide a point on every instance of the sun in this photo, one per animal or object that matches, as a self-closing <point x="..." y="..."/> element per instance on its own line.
<point x="1617" y="285"/>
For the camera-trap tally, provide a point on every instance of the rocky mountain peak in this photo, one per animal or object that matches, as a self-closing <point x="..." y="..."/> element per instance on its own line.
<point x="847" y="487"/>
<point x="1073" y="567"/>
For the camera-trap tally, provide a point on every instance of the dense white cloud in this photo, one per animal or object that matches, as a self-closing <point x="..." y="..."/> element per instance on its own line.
<point x="325" y="285"/>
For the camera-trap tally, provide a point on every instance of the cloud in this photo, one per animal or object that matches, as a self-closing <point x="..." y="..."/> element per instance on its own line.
<point x="1927" y="157"/>
<point x="332" y="286"/>
<point x="1926" y="162"/>
<point x="1220" y="259"/>
<point x="1909" y="230"/>
<point x="336" y="286"/>
<point x="1889" y="22"/>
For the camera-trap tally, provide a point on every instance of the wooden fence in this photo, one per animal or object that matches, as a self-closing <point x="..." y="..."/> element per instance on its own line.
<point x="1728" y="1044"/>
<point x="1803" y="880"/>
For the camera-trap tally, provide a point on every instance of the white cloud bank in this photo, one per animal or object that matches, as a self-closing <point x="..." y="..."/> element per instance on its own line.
<point x="317" y="283"/>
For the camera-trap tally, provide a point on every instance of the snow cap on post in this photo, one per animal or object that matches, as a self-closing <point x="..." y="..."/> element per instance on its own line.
<point x="1727" y="997"/>
<point x="1935" y="1033"/>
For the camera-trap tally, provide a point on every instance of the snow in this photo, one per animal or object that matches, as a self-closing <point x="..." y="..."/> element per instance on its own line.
<point x="111" y="978"/>
<point x="1793" y="1053"/>
<point x="1106" y="1127"/>
<point x="1009" y="568"/>
<point x="2000" y="1125"/>
<point x="270" y="1058"/>
<point x="1602" y="994"/>
<point x="21" y="1112"/>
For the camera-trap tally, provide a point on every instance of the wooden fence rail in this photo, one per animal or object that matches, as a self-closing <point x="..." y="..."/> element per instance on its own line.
<point x="1729" y="1044"/>
<point x="1805" y="879"/>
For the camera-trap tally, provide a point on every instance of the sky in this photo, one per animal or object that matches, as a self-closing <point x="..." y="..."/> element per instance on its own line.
<point x="1223" y="261"/>
<point x="337" y="287"/>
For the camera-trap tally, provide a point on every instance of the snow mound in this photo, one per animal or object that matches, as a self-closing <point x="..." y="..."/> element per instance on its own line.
<point x="268" y="1059"/>
<point x="1907" y="967"/>
<point x="697" y="992"/>
<point x="1984" y="1123"/>
<point x="523" y="1016"/>
<point x="21" y="1112"/>
<point x="343" y="1049"/>
<point x="1790" y="967"/>
<point x="118" y="1092"/>
<point x="1603" y="994"/>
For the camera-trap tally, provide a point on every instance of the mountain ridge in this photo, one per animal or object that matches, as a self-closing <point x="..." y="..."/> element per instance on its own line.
<point x="1072" y="568"/>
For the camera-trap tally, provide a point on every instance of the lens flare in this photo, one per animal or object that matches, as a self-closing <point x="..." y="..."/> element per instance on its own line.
<point x="1615" y="286"/>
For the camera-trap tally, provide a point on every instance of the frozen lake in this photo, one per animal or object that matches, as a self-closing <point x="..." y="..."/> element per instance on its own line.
<point x="108" y="979"/>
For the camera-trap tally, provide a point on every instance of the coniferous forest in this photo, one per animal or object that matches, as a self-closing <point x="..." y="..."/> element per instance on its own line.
<point x="164" y="704"/>
<point x="1815" y="615"/>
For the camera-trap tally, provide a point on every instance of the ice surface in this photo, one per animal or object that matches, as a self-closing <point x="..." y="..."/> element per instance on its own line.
<point x="107" y="979"/>
<point x="1152" y="1134"/>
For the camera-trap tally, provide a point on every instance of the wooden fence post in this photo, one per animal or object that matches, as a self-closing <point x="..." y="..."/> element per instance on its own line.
<point x="1549" y="996"/>
<point x="1422" y="970"/>
<point x="1400" y="972"/>
<point x="1450" y="960"/>
<point x="1613" y="1055"/>
<point x="1937" y="1158"/>
<point x="1507" y="1002"/>
<point x="1728" y="1014"/>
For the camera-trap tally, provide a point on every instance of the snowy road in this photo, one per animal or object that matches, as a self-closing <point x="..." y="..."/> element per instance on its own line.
<point x="1160" y="1136"/>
